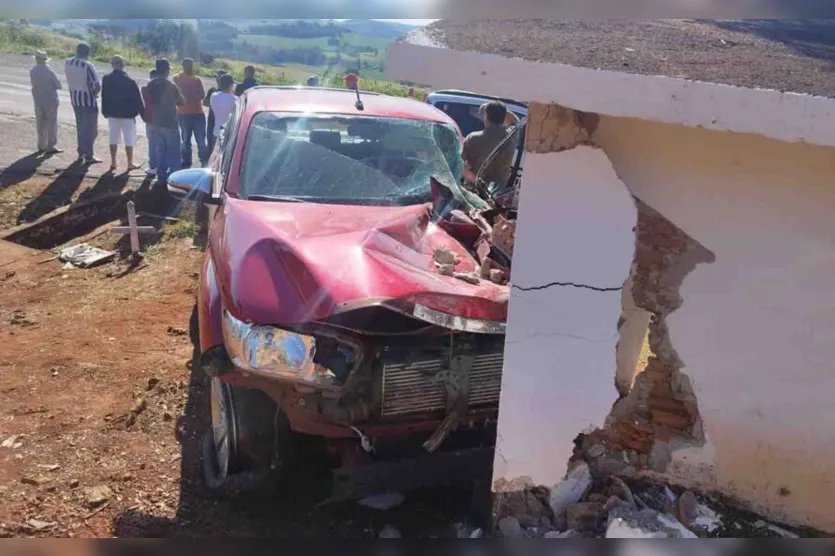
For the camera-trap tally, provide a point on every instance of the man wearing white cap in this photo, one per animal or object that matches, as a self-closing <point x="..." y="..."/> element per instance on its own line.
<point x="45" y="87"/>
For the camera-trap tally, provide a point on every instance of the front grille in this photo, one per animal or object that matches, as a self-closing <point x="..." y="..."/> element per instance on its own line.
<point x="411" y="387"/>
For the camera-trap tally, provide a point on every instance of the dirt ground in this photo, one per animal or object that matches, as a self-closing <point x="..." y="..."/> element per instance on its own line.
<point x="101" y="411"/>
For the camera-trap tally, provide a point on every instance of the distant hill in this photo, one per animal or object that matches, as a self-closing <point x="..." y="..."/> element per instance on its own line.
<point x="379" y="29"/>
<point x="321" y="45"/>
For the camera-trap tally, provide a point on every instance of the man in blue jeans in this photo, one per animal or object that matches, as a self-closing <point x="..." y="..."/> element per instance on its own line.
<point x="191" y="116"/>
<point x="148" y="118"/>
<point x="165" y="98"/>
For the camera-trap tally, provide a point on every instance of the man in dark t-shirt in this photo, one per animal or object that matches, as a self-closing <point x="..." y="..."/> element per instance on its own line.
<point x="248" y="82"/>
<point x="479" y="144"/>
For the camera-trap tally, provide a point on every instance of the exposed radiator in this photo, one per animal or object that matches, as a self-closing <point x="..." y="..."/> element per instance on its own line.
<point x="412" y="387"/>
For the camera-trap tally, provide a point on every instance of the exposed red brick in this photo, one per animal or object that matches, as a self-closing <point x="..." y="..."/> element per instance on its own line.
<point x="660" y="405"/>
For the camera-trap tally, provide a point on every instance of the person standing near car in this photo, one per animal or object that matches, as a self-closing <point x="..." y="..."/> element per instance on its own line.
<point x="210" y="122"/>
<point x="248" y="82"/>
<point x="121" y="103"/>
<point x="84" y="85"/>
<point x="148" y="118"/>
<point x="165" y="98"/>
<point x="479" y="144"/>
<point x="192" y="120"/>
<point x="223" y="102"/>
<point x="45" y="85"/>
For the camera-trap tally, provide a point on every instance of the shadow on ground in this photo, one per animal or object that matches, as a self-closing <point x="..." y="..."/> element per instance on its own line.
<point x="814" y="38"/>
<point x="57" y="194"/>
<point x="296" y="511"/>
<point x="63" y="188"/>
<point x="21" y="170"/>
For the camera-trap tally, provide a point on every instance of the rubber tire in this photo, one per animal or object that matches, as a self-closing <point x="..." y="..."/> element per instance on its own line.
<point x="245" y="484"/>
<point x="250" y="474"/>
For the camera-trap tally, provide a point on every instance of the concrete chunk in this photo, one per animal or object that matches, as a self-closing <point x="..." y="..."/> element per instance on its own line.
<point x="628" y="523"/>
<point x="571" y="490"/>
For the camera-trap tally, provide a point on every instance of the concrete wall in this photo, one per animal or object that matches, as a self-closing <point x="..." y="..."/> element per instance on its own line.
<point x="574" y="247"/>
<point x="756" y="329"/>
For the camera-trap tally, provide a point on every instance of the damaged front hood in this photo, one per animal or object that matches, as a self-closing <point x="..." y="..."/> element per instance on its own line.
<point x="286" y="263"/>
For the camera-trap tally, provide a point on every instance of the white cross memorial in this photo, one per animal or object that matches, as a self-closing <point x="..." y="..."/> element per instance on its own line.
<point x="133" y="229"/>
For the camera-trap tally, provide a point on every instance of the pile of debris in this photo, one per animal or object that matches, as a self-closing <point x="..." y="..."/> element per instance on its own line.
<point x="581" y="507"/>
<point x="489" y="235"/>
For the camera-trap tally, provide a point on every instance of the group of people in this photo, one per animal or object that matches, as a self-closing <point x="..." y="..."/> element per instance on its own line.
<point x="173" y="112"/>
<point x="172" y="109"/>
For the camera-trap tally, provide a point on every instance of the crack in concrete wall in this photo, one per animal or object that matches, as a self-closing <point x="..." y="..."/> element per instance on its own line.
<point x="633" y="327"/>
<point x="566" y="284"/>
<point x="660" y="412"/>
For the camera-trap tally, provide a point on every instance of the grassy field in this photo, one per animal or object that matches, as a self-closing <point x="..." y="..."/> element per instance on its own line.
<point x="348" y="41"/>
<point x="27" y="39"/>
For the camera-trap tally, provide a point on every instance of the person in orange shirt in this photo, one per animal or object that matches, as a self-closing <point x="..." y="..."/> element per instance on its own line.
<point x="190" y="115"/>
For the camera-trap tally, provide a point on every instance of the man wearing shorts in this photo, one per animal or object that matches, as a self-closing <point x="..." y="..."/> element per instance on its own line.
<point x="121" y="103"/>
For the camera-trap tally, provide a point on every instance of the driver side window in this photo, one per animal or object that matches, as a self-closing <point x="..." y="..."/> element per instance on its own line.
<point x="227" y="140"/>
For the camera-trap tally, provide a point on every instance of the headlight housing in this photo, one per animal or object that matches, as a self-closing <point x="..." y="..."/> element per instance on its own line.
<point x="321" y="360"/>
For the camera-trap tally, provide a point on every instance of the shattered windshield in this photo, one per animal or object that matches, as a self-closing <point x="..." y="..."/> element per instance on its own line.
<point x="347" y="159"/>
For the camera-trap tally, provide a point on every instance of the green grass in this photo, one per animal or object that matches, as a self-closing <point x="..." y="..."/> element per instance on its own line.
<point x="347" y="39"/>
<point x="28" y="39"/>
<point x="184" y="229"/>
<point x="372" y="61"/>
<point x="282" y="42"/>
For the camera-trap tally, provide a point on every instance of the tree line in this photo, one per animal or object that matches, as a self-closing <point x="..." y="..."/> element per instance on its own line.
<point x="300" y="29"/>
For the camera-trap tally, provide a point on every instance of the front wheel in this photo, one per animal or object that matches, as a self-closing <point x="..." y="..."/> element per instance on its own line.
<point x="238" y="448"/>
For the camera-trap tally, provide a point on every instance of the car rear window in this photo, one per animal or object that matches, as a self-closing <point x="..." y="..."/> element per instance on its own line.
<point x="465" y="115"/>
<point x="347" y="159"/>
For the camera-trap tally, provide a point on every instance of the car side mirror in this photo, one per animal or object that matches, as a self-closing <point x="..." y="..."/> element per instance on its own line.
<point x="193" y="184"/>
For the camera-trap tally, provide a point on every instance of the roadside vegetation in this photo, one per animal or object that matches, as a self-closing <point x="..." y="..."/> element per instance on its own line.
<point x="141" y="47"/>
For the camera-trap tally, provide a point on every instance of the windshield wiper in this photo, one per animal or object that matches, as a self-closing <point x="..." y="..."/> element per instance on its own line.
<point x="278" y="198"/>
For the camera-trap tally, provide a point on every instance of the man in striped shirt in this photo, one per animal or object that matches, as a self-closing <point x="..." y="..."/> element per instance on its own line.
<point x="84" y="86"/>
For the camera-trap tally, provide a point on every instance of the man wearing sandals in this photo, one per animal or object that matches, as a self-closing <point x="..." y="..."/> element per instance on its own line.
<point x="121" y="103"/>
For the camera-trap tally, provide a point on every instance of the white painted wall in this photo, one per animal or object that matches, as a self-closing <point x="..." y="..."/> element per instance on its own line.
<point x="575" y="226"/>
<point x="757" y="328"/>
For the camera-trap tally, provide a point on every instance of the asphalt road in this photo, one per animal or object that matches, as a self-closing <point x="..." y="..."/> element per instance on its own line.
<point x="17" y="119"/>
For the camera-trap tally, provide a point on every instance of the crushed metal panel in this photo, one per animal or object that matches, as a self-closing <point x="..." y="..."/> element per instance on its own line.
<point x="456" y="382"/>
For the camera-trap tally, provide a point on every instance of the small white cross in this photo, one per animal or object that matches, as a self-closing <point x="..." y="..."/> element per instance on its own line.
<point x="133" y="229"/>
